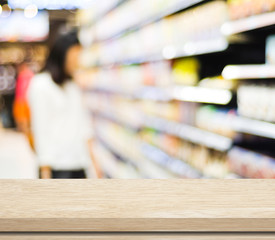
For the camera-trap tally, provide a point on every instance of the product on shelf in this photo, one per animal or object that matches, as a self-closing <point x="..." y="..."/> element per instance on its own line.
<point x="257" y="101"/>
<point x="186" y="71"/>
<point x="250" y="164"/>
<point x="209" y="162"/>
<point x="169" y="110"/>
<point x="130" y="79"/>
<point x="189" y="133"/>
<point x="216" y="120"/>
<point x="245" y="8"/>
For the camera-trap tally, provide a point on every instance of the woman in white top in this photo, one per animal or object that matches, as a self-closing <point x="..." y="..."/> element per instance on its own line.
<point x="60" y="123"/>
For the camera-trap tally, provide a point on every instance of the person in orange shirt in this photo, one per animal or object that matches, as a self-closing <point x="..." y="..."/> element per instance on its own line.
<point x="21" y="109"/>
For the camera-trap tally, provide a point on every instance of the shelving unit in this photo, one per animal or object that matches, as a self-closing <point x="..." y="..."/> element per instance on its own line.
<point x="168" y="94"/>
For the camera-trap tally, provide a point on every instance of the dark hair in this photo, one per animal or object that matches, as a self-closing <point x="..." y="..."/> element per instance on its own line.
<point x="55" y="63"/>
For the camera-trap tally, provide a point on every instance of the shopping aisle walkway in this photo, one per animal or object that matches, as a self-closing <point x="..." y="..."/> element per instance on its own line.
<point x="16" y="157"/>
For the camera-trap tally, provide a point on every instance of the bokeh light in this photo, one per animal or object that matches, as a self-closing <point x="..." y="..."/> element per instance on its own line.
<point x="31" y="11"/>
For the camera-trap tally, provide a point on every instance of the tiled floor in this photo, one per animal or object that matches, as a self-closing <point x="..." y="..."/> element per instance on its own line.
<point x="16" y="157"/>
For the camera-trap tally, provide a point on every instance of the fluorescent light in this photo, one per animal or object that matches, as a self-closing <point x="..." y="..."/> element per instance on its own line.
<point x="200" y="94"/>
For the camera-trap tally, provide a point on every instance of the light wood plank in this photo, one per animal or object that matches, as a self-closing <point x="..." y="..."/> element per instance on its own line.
<point x="137" y="205"/>
<point x="134" y="236"/>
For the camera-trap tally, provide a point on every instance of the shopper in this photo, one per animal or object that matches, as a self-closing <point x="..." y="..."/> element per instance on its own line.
<point x="60" y="123"/>
<point x="21" y="111"/>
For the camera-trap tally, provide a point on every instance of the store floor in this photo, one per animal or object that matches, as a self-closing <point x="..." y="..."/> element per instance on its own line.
<point x="17" y="161"/>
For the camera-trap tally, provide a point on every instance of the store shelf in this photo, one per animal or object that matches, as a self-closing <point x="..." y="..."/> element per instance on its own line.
<point x="146" y="93"/>
<point x="154" y="94"/>
<point x="197" y="48"/>
<point x="180" y="93"/>
<point x="189" y="133"/>
<point x="113" y="90"/>
<point x="145" y="167"/>
<point x="188" y="49"/>
<point x="248" y="126"/>
<point x="115" y="151"/>
<point x="184" y="131"/>
<point x="202" y="95"/>
<point x="248" y="24"/>
<point x="254" y="127"/>
<point x="133" y="125"/>
<point x="112" y="165"/>
<point x="260" y="71"/>
<point x="176" y="166"/>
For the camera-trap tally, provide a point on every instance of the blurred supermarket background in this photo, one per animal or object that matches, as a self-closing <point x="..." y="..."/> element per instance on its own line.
<point x="175" y="88"/>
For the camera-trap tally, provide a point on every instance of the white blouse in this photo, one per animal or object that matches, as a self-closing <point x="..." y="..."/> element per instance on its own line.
<point x="60" y="124"/>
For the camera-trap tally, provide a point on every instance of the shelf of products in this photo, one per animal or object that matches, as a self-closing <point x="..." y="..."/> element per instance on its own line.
<point x="165" y="105"/>
<point x="163" y="81"/>
<point x="250" y="164"/>
<point x="207" y="162"/>
<point x="174" y="165"/>
<point x="228" y="123"/>
<point x="111" y="166"/>
<point x="162" y="40"/>
<point x="145" y="12"/>
<point x="126" y="145"/>
<point x="257" y="102"/>
<point x="180" y="93"/>
<point x="190" y="133"/>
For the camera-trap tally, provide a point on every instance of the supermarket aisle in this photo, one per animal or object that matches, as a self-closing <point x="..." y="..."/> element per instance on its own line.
<point x="16" y="158"/>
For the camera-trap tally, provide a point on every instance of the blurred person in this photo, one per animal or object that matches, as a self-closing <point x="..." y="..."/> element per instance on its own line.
<point x="21" y="111"/>
<point x="60" y="123"/>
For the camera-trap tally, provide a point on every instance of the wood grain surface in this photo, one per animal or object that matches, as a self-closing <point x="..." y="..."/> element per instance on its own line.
<point x="137" y="236"/>
<point x="137" y="205"/>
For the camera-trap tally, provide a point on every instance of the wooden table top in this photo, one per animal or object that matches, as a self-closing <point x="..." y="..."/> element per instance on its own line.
<point x="137" y="205"/>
